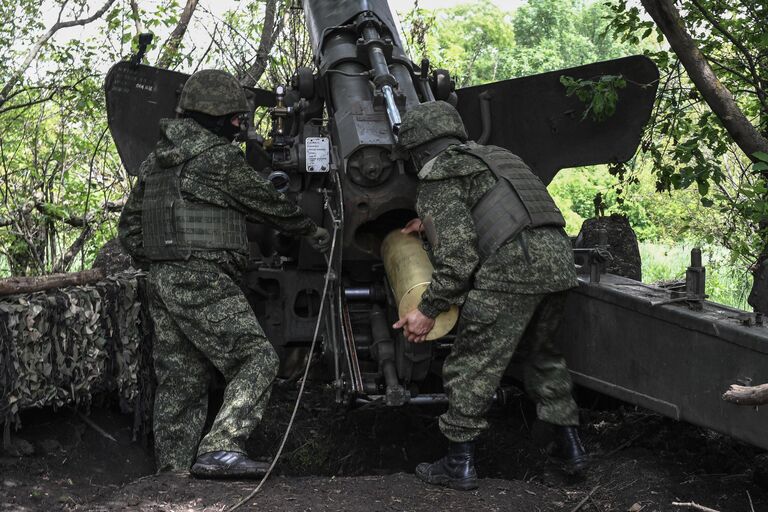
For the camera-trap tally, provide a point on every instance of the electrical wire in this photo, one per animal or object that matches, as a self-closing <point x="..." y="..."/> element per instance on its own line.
<point x="328" y="274"/>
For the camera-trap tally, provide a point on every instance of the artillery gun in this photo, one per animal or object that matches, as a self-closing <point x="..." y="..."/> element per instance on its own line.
<point x="333" y="149"/>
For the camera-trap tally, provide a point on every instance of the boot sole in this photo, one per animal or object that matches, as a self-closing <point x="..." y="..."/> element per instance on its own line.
<point x="213" y="471"/>
<point x="457" y="485"/>
<point x="571" y="468"/>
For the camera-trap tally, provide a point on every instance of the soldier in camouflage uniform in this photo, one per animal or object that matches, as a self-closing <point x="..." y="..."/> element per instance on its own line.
<point x="185" y="218"/>
<point x="498" y="247"/>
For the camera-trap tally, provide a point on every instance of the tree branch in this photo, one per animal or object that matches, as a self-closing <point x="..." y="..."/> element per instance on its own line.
<point x="66" y="259"/>
<point x="171" y="46"/>
<point x="136" y="16"/>
<point x="268" y="36"/>
<point x="743" y="49"/>
<point x="694" y="506"/>
<point x="717" y="96"/>
<point x="43" y="39"/>
<point x="15" y="285"/>
<point x="747" y="395"/>
<point x="54" y="91"/>
<point x="73" y="220"/>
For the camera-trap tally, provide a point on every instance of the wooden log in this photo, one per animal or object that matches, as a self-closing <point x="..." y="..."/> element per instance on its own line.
<point x="747" y="395"/>
<point x="16" y="285"/>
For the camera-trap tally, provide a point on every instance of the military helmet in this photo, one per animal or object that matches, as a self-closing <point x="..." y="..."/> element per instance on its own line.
<point x="213" y="92"/>
<point x="429" y="121"/>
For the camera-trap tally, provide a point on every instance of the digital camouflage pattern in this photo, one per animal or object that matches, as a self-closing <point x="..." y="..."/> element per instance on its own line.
<point x="201" y="317"/>
<point x="213" y="92"/>
<point x="59" y="348"/>
<point x="494" y="326"/>
<point x="512" y="297"/>
<point x="537" y="261"/>
<point x="215" y="173"/>
<point x="430" y="121"/>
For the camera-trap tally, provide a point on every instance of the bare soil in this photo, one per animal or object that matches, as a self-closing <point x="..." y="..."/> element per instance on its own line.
<point x="362" y="460"/>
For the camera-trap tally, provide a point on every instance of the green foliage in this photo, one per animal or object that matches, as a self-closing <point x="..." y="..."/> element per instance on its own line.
<point x="685" y="142"/>
<point x="599" y="96"/>
<point x="689" y="185"/>
<point x="479" y="43"/>
<point x="727" y="283"/>
<point x="59" y="169"/>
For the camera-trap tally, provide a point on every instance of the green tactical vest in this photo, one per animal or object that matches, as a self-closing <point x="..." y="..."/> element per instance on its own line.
<point x="519" y="200"/>
<point x="173" y="228"/>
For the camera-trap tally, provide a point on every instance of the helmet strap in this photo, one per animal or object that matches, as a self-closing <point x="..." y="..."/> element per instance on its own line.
<point x="423" y="153"/>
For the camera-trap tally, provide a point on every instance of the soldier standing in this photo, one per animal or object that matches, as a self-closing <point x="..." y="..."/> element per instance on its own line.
<point x="498" y="247"/>
<point x="186" y="218"/>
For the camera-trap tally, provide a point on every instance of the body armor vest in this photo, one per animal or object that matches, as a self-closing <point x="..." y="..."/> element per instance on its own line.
<point x="173" y="228"/>
<point x="519" y="200"/>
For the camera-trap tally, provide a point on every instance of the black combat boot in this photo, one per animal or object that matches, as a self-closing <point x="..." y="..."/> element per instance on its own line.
<point x="456" y="470"/>
<point x="562" y="443"/>
<point x="568" y="450"/>
<point x="223" y="464"/>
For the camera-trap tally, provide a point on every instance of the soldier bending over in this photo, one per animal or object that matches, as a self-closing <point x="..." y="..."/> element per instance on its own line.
<point x="498" y="247"/>
<point x="186" y="219"/>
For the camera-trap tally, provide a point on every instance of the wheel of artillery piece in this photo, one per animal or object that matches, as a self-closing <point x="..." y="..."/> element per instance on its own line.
<point x="304" y="82"/>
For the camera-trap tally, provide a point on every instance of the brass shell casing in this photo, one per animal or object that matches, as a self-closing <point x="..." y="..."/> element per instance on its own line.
<point x="409" y="272"/>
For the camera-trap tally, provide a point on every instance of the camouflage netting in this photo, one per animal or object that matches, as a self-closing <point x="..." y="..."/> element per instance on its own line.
<point x="64" y="347"/>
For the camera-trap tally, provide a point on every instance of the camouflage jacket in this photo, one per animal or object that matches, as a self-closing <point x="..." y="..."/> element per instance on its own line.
<point x="216" y="173"/>
<point x="449" y="187"/>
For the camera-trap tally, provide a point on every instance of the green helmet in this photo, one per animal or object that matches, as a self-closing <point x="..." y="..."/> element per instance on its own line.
<point x="430" y="121"/>
<point x="213" y="92"/>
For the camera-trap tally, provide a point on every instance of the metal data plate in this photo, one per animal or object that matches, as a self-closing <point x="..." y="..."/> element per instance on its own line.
<point x="318" y="152"/>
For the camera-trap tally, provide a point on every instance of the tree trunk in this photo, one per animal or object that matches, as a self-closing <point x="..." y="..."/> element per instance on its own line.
<point x="66" y="259"/>
<point x="717" y="96"/>
<point x="15" y="285"/>
<point x="746" y="135"/>
<point x="170" y="53"/>
<point x="747" y="395"/>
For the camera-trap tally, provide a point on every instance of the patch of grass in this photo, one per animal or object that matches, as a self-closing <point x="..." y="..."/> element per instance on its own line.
<point x="727" y="283"/>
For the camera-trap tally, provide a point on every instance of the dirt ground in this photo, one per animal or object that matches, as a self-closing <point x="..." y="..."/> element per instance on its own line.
<point x="362" y="460"/>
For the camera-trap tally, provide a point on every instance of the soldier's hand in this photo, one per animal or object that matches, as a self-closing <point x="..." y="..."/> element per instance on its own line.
<point x="320" y="240"/>
<point x="416" y="325"/>
<point x="413" y="226"/>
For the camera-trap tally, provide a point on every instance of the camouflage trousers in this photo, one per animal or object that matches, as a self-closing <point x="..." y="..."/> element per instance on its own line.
<point x="202" y="319"/>
<point x="491" y="327"/>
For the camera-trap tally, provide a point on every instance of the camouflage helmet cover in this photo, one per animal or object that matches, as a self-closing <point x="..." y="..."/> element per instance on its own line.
<point x="213" y="92"/>
<point x="429" y="121"/>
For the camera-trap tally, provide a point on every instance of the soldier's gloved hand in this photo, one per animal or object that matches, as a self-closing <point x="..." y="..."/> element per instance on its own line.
<point x="320" y="240"/>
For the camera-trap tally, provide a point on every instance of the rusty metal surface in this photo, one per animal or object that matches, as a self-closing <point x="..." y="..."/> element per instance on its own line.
<point x="532" y="117"/>
<point x="667" y="358"/>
